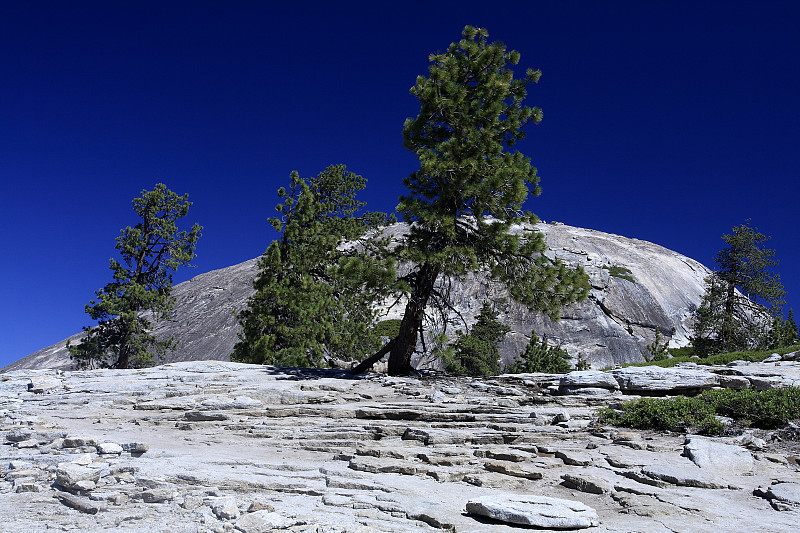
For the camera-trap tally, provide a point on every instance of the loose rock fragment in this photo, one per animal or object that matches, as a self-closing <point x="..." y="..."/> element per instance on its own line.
<point x="81" y="504"/>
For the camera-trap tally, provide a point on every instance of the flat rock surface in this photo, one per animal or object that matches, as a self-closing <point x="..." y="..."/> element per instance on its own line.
<point x="538" y="511"/>
<point x="215" y="446"/>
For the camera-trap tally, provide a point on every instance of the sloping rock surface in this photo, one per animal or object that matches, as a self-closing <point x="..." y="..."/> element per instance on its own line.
<point x="614" y="325"/>
<point x="308" y="451"/>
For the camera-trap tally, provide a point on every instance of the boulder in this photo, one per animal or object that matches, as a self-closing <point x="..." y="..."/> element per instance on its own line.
<point x="537" y="511"/>
<point x="588" y="379"/>
<point x="70" y="476"/>
<point x="654" y="379"/>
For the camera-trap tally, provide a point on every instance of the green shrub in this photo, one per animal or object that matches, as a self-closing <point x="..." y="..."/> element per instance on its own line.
<point x="540" y="357"/>
<point x="620" y="272"/>
<point x="388" y="328"/>
<point x="768" y="409"/>
<point x="582" y="363"/>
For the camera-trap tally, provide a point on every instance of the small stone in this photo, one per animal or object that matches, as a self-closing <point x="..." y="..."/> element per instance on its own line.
<point x="259" y="505"/>
<point x="32" y="443"/>
<point x="586" y="483"/>
<point x="107" y="448"/>
<point x="561" y="416"/>
<point x="191" y="502"/>
<point x="44" y="385"/>
<point x="81" y="504"/>
<point x="78" y="442"/>
<point x="136" y="448"/>
<point x="262" y="522"/>
<point x="223" y="508"/>
<point x="157" y="495"/>
<point x="25" y="485"/>
<point x="83" y="460"/>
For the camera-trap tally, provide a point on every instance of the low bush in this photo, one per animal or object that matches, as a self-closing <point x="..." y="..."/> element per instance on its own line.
<point x="767" y="409"/>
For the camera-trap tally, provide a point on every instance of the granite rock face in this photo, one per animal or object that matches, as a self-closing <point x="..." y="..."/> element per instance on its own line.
<point x="614" y="325"/>
<point x="322" y="451"/>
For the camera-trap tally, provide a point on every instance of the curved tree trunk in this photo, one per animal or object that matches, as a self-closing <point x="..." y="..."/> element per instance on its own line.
<point x="406" y="341"/>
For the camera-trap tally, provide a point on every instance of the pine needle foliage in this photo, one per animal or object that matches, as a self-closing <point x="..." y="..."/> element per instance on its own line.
<point x="318" y="283"/>
<point x="465" y="203"/>
<point x="784" y="332"/>
<point x="141" y="291"/>
<point x="742" y="297"/>
<point x="476" y="353"/>
<point x="539" y="356"/>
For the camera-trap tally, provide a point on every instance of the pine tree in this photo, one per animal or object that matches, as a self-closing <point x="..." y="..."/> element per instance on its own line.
<point x="539" y="356"/>
<point x="476" y="353"/>
<point x="151" y="251"/>
<point x="743" y="296"/>
<point x="783" y="333"/>
<point x="465" y="203"/>
<point x="315" y="298"/>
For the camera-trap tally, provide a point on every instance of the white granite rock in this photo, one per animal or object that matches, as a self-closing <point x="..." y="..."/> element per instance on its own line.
<point x="538" y="511"/>
<point x="727" y="459"/>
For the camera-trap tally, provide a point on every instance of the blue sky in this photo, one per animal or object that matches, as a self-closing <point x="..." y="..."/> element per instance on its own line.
<point x="666" y="121"/>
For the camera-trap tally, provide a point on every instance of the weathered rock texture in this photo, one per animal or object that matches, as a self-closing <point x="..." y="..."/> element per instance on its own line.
<point x="219" y="446"/>
<point x="613" y="326"/>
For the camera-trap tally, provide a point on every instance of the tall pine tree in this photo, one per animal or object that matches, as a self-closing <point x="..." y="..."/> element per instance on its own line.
<point x="316" y="296"/>
<point x="465" y="203"/>
<point x="151" y="251"/>
<point x="743" y="296"/>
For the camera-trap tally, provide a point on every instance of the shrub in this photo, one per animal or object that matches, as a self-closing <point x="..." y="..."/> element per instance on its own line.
<point x="540" y="357"/>
<point x="620" y="272"/>
<point x="767" y="409"/>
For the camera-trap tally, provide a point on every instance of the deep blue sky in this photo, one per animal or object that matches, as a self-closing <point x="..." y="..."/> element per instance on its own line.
<point x="666" y="121"/>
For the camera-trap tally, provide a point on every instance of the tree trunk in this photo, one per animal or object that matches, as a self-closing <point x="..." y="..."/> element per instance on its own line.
<point x="371" y="360"/>
<point x="406" y="341"/>
<point x="728" y="319"/>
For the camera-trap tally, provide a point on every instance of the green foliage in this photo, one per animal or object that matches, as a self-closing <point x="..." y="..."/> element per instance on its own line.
<point x="387" y="328"/>
<point x="742" y="297"/>
<point x="476" y="353"/>
<point x="471" y="186"/>
<point x="582" y="363"/>
<point x="151" y="251"/>
<point x="783" y="332"/>
<point x="658" y="351"/>
<point x="620" y="272"/>
<point x="315" y="299"/>
<point x="767" y="409"/>
<point x="679" y="355"/>
<point x="539" y="356"/>
<point x="673" y="414"/>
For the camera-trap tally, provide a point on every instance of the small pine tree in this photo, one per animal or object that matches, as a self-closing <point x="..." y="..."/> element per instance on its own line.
<point x="742" y="298"/>
<point x="151" y="251"/>
<point x="582" y="363"/>
<point x="539" y="356"/>
<point x="476" y="353"/>
<point x="783" y="332"/>
<point x="658" y="350"/>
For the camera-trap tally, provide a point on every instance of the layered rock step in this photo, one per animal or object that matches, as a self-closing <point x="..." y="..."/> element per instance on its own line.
<point x="210" y="446"/>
